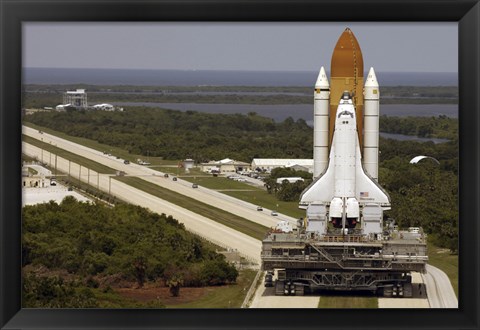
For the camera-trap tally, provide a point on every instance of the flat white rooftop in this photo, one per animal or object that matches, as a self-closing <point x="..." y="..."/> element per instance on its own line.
<point x="32" y="196"/>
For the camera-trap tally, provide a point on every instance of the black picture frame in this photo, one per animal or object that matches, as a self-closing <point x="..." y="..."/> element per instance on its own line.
<point x="14" y="12"/>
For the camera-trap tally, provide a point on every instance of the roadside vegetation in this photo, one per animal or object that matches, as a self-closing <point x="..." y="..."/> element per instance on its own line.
<point x="286" y="191"/>
<point x="228" y="296"/>
<point x="430" y="127"/>
<point x="95" y="246"/>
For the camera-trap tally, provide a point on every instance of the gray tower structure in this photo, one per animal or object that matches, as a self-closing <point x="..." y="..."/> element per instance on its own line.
<point x="77" y="98"/>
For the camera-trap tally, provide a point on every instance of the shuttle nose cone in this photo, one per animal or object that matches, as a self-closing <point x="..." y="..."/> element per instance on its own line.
<point x="322" y="80"/>
<point x="371" y="80"/>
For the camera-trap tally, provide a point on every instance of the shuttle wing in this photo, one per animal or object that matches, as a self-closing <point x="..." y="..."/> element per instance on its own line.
<point x="367" y="189"/>
<point x="321" y="190"/>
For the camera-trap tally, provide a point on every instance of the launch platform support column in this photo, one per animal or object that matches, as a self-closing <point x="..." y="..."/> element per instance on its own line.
<point x="371" y="125"/>
<point x="320" y="124"/>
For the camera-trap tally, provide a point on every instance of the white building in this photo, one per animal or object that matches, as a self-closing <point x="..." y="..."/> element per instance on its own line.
<point x="268" y="164"/>
<point x="35" y="176"/>
<point x="62" y="107"/>
<point x="224" y="165"/>
<point x="104" y="107"/>
<point x="188" y="164"/>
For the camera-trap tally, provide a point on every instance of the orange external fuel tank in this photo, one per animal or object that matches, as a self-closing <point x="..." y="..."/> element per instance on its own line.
<point x="346" y="74"/>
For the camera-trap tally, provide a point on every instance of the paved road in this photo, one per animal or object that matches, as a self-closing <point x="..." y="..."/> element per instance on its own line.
<point x="230" y="204"/>
<point x="439" y="289"/>
<point x="207" y="228"/>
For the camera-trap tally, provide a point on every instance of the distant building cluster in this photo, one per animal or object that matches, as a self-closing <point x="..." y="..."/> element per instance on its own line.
<point x="224" y="165"/>
<point x="268" y="164"/>
<point x="35" y="176"/>
<point x="77" y="99"/>
<point x="257" y="165"/>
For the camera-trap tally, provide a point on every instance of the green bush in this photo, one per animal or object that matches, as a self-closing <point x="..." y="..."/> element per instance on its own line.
<point x="92" y="239"/>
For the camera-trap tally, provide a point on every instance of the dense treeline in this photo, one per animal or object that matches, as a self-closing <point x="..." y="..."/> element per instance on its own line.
<point x="55" y="292"/>
<point x="179" y="135"/>
<point x="40" y="100"/>
<point x="386" y="91"/>
<point x="286" y="191"/>
<point x="423" y="194"/>
<point x="126" y="242"/>
<point x="438" y="127"/>
<point x="39" y="96"/>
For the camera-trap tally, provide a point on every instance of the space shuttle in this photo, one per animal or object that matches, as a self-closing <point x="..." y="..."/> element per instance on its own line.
<point x="345" y="191"/>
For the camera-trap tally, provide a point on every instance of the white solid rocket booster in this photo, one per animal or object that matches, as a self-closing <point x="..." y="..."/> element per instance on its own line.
<point x="371" y="125"/>
<point x="320" y="123"/>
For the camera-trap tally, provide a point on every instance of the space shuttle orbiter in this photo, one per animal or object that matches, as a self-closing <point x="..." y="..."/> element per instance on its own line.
<point x="345" y="190"/>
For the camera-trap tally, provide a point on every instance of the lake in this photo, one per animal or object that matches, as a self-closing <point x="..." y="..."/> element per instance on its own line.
<point x="402" y="137"/>
<point x="280" y="112"/>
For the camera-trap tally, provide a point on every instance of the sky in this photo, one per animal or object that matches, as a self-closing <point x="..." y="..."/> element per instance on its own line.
<point x="389" y="47"/>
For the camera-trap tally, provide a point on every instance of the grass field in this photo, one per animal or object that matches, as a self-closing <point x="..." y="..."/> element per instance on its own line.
<point x="111" y="299"/>
<point x="443" y="259"/>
